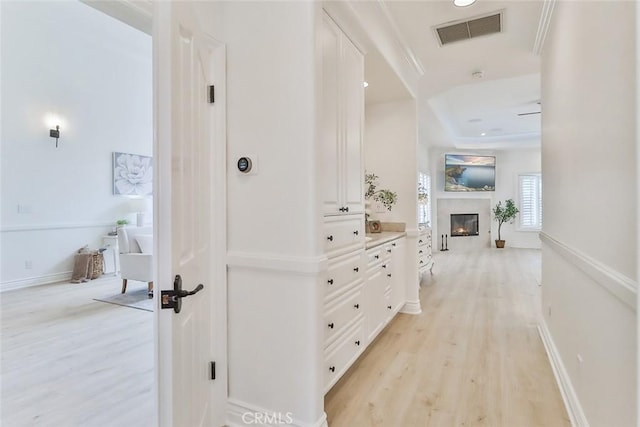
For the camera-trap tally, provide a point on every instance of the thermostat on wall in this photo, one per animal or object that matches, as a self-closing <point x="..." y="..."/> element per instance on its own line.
<point x="244" y="164"/>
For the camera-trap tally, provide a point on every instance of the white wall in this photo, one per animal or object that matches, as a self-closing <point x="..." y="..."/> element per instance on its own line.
<point x="95" y="73"/>
<point x="275" y="255"/>
<point x="390" y="151"/>
<point x="509" y="164"/>
<point x="590" y="193"/>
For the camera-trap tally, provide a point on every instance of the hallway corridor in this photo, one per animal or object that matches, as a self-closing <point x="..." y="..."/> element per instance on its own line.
<point x="473" y="357"/>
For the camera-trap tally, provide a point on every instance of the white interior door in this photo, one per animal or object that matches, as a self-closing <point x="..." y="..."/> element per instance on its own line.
<point x="190" y="227"/>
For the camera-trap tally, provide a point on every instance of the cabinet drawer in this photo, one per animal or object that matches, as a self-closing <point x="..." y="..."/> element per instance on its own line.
<point x="340" y="314"/>
<point x="343" y="353"/>
<point x="343" y="271"/>
<point x="343" y="233"/>
<point x="374" y="256"/>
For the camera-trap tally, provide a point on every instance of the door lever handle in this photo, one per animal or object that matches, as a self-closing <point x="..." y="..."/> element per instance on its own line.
<point x="173" y="299"/>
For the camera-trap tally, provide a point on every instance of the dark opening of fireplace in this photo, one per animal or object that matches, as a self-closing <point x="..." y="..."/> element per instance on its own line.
<point x="464" y="225"/>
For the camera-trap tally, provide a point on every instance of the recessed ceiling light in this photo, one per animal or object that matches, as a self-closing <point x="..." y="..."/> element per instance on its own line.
<point x="483" y="134"/>
<point x="365" y="84"/>
<point x="463" y="3"/>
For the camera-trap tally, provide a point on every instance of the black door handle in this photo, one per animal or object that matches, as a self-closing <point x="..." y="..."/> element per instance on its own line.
<point x="173" y="299"/>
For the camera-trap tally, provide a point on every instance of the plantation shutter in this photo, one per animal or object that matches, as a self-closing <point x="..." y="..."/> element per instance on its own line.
<point x="530" y="201"/>
<point x="424" y="209"/>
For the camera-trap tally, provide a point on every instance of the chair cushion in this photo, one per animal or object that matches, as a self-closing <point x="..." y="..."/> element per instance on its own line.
<point x="145" y="241"/>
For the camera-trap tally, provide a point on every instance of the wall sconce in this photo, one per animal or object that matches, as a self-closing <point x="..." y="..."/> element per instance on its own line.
<point x="55" y="133"/>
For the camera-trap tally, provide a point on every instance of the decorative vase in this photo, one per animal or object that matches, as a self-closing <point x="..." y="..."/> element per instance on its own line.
<point x="500" y="244"/>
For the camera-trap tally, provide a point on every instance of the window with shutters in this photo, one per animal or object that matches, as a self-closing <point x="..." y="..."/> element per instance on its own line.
<point x="530" y="186"/>
<point x="424" y="199"/>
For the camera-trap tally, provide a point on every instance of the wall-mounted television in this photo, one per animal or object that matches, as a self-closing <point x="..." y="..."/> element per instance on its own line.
<point x="469" y="173"/>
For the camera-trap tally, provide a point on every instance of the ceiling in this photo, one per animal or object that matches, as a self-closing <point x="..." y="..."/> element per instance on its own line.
<point x="456" y="108"/>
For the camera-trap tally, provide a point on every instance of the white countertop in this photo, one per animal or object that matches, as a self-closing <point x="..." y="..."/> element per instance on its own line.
<point x="376" y="239"/>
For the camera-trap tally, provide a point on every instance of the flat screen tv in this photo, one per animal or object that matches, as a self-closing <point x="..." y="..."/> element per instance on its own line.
<point x="469" y="173"/>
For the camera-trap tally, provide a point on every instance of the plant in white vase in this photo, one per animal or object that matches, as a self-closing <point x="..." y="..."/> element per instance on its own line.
<point x="387" y="198"/>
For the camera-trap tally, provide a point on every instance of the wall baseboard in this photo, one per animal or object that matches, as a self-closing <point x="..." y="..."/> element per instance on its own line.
<point x="44" y="279"/>
<point x="569" y="396"/>
<point x="411" y="307"/>
<point x="617" y="284"/>
<point x="242" y="414"/>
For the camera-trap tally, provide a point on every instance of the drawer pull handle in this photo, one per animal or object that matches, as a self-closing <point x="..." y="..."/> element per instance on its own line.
<point x="356" y="232"/>
<point x="377" y="256"/>
<point x="388" y="251"/>
<point x="346" y="209"/>
<point x="419" y="241"/>
<point x="420" y="252"/>
<point x="330" y="238"/>
<point x="358" y="342"/>
<point x="356" y="306"/>
<point x="356" y="269"/>
<point x="341" y="209"/>
<point x="330" y="325"/>
<point x="332" y="368"/>
<point x="389" y="275"/>
<point x="330" y="281"/>
<point x="389" y="307"/>
<point x="393" y="244"/>
<point x="421" y="262"/>
<point x="384" y="265"/>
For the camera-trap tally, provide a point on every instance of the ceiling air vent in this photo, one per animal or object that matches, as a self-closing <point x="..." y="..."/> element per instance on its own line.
<point x="468" y="29"/>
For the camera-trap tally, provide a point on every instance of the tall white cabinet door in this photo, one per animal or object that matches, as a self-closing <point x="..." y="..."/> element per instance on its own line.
<point x="330" y="136"/>
<point x="353" y="90"/>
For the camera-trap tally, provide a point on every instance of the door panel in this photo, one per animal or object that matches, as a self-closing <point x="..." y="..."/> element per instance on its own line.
<point x="186" y="62"/>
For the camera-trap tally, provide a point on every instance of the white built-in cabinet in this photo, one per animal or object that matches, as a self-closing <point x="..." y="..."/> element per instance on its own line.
<point x="342" y="191"/>
<point x="384" y="284"/>
<point x="342" y="122"/>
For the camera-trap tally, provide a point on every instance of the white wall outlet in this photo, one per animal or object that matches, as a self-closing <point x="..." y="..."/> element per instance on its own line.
<point x="28" y="265"/>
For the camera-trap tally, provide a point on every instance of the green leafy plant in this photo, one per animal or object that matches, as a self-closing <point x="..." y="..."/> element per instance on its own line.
<point x="506" y="213"/>
<point x="122" y="222"/>
<point x="388" y="198"/>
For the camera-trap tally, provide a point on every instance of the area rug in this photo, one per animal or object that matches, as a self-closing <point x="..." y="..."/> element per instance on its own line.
<point x="135" y="299"/>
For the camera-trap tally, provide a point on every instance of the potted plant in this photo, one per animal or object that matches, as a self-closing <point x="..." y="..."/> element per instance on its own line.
<point x="502" y="214"/>
<point x="388" y="198"/>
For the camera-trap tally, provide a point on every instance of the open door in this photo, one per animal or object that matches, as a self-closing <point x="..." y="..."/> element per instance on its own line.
<point x="190" y="220"/>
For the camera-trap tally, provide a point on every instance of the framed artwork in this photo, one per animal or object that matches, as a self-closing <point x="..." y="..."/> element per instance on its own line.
<point x="469" y="173"/>
<point x="132" y="174"/>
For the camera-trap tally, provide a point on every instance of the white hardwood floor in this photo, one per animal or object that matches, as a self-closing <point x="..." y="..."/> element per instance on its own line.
<point x="472" y="358"/>
<point x="68" y="360"/>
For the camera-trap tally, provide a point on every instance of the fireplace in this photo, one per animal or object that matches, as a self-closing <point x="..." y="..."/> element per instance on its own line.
<point x="464" y="225"/>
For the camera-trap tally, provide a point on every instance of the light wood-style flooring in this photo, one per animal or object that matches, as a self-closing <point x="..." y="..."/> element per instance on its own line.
<point x="472" y="358"/>
<point x="68" y="360"/>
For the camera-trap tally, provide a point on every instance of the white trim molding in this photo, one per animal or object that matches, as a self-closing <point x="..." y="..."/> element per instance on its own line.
<point x="543" y="26"/>
<point x="569" y="396"/>
<point x="236" y="409"/>
<point x="619" y="285"/>
<point x="274" y="262"/>
<point x="44" y="279"/>
<point x="54" y="226"/>
<point x="411" y="307"/>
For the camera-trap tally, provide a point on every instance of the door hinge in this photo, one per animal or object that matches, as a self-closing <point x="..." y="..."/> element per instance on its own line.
<point x="213" y="370"/>
<point x="212" y="96"/>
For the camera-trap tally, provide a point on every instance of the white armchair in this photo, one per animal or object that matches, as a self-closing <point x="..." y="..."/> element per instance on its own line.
<point x="136" y="255"/>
